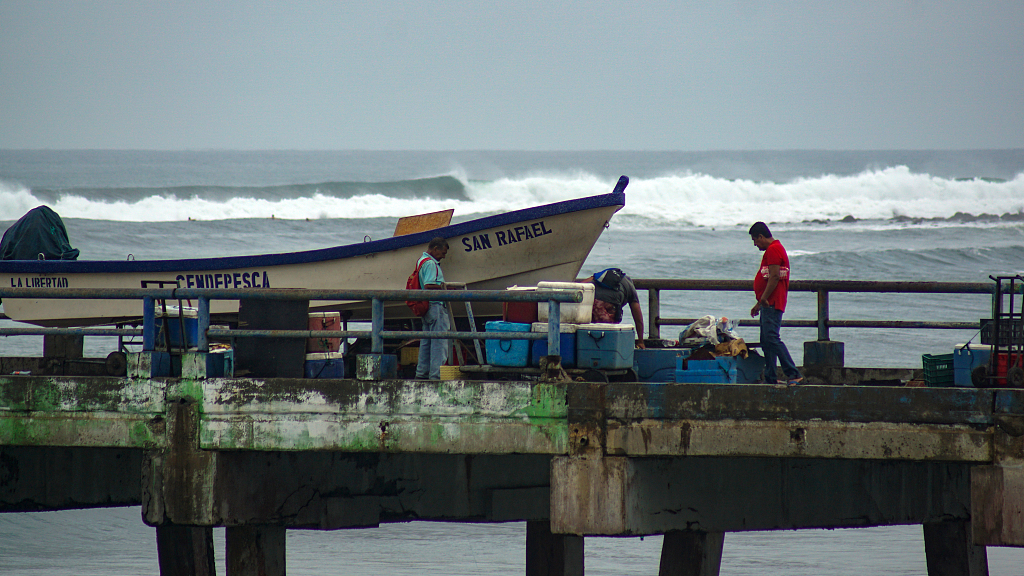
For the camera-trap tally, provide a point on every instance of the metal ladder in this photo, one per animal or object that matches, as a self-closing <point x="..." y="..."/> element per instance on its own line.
<point x="472" y="324"/>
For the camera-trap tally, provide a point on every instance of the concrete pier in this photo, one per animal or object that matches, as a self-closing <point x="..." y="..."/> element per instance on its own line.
<point x="571" y="459"/>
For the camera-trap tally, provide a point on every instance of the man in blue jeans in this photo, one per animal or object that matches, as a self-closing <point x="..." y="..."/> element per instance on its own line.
<point x="433" y="351"/>
<point x="771" y="286"/>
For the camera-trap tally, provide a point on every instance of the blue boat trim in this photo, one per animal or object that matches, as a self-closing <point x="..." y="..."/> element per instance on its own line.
<point x="324" y="254"/>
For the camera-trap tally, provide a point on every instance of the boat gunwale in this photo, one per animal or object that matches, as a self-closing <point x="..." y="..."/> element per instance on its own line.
<point x="316" y="255"/>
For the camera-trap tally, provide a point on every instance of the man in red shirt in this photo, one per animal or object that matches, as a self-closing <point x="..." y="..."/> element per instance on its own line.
<point x="771" y="286"/>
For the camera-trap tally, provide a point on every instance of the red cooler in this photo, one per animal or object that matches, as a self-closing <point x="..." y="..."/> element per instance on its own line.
<point x="520" y="312"/>
<point x="324" y="321"/>
<point x="1002" y="365"/>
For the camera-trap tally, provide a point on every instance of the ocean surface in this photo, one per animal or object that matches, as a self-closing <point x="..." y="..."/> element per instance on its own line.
<point x="885" y="215"/>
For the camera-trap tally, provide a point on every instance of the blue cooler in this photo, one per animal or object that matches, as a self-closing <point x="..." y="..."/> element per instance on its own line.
<point x="175" y="318"/>
<point x="566" y="342"/>
<point x="608" y="346"/>
<point x="721" y="370"/>
<point x="657" y="364"/>
<point x="324" y="365"/>
<point x="514" y="353"/>
<point x="967" y="357"/>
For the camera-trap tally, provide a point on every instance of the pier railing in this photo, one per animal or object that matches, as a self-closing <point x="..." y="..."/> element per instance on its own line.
<point x="377" y="334"/>
<point x="823" y="288"/>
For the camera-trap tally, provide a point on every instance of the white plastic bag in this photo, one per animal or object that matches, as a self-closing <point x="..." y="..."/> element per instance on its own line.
<point x="703" y="327"/>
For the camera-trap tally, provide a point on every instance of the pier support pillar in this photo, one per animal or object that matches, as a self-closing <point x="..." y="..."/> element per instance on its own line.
<point x="255" y="550"/>
<point x="149" y="364"/>
<point x="63" y="346"/>
<point x="550" y="554"/>
<point x="997" y="491"/>
<point x="820" y="354"/>
<point x="271" y="357"/>
<point x="691" y="553"/>
<point x="950" y="552"/>
<point x="185" y="551"/>
<point x="202" y="365"/>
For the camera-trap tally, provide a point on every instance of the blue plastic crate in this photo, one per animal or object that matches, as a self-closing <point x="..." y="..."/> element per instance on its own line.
<point x="720" y="370"/>
<point x="657" y="364"/>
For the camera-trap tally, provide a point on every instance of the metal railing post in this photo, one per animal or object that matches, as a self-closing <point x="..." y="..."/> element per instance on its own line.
<point x="376" y="326"/>
<point x="148" y="325"/>
<point x="653" y="313"/>
<point x="554" y="328"/>
<point x="823" y="314"/>
<point x="204" y="324"/>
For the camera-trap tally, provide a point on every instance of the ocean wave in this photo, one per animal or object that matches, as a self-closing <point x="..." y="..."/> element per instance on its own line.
<point x="886" y="194"/>
<point x="439" y="187"/>
<point x="895" y="196"/>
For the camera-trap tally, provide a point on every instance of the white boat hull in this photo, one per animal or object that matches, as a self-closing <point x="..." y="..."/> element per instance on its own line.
<point x="524" y="247"/>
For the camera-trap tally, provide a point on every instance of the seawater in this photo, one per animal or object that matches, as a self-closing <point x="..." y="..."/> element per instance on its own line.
<point x="889" y="215"/>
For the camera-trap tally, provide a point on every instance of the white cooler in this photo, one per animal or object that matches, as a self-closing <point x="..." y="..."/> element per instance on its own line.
<point x="570" y="313"/>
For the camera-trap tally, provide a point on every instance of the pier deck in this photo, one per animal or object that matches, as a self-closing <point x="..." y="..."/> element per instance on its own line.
<point x="573" y="459"/>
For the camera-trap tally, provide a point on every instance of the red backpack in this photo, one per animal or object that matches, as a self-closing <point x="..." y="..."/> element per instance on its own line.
<point x="419" y="307"/>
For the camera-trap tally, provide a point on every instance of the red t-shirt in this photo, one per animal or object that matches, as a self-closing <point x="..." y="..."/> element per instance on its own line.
<point x="775" y="254"/>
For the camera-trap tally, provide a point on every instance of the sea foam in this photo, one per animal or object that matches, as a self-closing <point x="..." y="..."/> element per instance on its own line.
<point x="684" y="199"/>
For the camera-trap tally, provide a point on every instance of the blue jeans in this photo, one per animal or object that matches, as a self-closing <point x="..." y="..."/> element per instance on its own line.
<point x="773" y="347"/>
<point x="433" y="351"/>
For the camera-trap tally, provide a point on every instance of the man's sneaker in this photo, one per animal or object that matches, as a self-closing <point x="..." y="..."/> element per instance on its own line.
<point x="795" y="381"/>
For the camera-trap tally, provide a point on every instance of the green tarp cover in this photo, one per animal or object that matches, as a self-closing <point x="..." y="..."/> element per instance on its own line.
<point x="40" y="231"/>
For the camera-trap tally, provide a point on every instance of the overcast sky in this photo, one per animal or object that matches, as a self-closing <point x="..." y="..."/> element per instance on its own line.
<point x="659" y="75"/>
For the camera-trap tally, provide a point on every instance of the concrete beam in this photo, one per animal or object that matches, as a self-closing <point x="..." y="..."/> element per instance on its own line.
<point x="800" y="439"/>
<point x="627" y="402"/>
<point x="997" y="505"/>
<point x="97" y="412"/>
<point x="33" y="478"/>
<point x="329" y="490"/>
<point x="617" y="496"/>
<point x="997" y="491"/>
<point x="81" y="394"/>
<point x="466" y="417"/>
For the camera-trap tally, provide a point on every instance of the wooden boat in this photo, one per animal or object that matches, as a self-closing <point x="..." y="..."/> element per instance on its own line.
<point x="548" y="242"/>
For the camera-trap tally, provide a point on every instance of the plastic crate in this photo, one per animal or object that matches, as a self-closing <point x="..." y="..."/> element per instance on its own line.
<point x="1011" y="331"/>
<point x="938" y="369"/>
<point x="721" y="370"/>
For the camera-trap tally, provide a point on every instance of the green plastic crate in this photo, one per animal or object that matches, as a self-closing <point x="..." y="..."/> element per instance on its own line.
<point x="938" y="369"/>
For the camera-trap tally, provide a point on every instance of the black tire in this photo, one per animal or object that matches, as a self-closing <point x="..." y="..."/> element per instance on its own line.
<point x="979" y="377"/>
<point x="117" y="364"/>
<point x="1015" y="377"/>
<point x="595" y="376"/>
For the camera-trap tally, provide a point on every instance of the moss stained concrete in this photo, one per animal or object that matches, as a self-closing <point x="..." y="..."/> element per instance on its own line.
<point x="386" y="416"/>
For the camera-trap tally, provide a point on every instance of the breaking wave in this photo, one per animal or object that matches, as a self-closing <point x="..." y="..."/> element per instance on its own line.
<point x="894" y="194"/>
